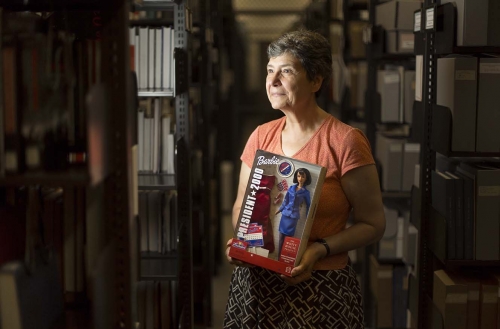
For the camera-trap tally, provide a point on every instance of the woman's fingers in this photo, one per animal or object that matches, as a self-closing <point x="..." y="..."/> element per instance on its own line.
<point x="304" y="276"/>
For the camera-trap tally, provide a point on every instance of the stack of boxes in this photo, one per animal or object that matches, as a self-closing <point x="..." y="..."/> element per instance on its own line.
<point x="396" y="17"/>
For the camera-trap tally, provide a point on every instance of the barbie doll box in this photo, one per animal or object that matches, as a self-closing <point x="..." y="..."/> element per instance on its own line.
<point x="277" y="212"/>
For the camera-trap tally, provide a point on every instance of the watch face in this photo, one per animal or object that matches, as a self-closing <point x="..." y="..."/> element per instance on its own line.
<point x="285" y="168"/>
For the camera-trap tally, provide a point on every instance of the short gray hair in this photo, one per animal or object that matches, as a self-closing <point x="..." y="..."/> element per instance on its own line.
<point x="312" y="50"/>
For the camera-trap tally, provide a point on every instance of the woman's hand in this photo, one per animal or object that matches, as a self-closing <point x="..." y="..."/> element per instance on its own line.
<point x="235" y="261"/>
<point x="303" y="271"/>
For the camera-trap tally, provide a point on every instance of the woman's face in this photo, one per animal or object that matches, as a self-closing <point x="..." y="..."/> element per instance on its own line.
<point x="287" y="84"/>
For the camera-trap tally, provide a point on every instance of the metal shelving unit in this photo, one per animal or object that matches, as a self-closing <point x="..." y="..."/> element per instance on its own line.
<point x="176" y="266"/>
<point x="400" y="200"/>
<point x="436" y="38"/>
<point x="117" y="258"/>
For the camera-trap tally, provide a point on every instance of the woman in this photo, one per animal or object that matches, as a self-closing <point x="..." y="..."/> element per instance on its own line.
<point x="323" y="291"/>
<point x="290" y="208"/>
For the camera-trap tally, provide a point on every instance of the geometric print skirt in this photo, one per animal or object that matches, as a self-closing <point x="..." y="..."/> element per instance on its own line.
<point x="260" y="299"/>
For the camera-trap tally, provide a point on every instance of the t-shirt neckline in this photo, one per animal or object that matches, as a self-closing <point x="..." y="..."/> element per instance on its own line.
<point x="280" y="146"/>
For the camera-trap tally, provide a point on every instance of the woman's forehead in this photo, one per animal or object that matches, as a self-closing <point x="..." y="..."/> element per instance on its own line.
<point x="283" y="60"/>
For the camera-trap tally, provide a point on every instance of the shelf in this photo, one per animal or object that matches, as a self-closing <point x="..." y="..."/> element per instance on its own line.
<point x="159" y="269"/>
<point x="445" y="34"/>
<point x="153" y="5"/>
<point x="154" y="93"/>
<point x="158" y="255"/>
<point x="378" y="47"/>
<point x="70" y="177"/>
<point x="442" y="135"/>
<point x="151" y="22"/>
<point x="156" y="181"/>
<point x="472" y="263"/>
<point x="391" y="261"/>
<point x="438" y="245"/>
<point x="356" y="6"/>
<point x="53" y="5"/>
<point x="396" y="195"/>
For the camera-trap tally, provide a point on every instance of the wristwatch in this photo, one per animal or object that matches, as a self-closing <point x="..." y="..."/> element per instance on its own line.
<point x="323" y="242"/>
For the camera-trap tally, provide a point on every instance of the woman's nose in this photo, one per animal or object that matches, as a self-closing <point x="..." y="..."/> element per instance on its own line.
<point x="275" y="79"/>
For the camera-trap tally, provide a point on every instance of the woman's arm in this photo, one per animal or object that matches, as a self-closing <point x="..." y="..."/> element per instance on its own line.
<point x="283" y="204"/>
<point x="362" y="188"/>
<point x="308" y="201"/>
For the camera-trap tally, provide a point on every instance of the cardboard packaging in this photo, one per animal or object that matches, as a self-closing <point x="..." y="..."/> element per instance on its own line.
<point x="399" y="42"/>
<point x="389" y="152"/>
<point x="451" y="300"/>
<point x="488" y="107"/>
<point x="457" y="90"/>
<point x="389" y="87"/>
<point x="274" y="210"/>
<point x="381" y="285"/>
<point x="396" y="15"/>
<point x="478" y="22"/>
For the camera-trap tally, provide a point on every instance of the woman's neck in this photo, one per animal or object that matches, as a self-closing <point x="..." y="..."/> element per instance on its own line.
<point x="306" y="120"/>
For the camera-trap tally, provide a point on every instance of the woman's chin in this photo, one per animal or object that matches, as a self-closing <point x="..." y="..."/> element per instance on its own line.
<point x="277" y="105"/>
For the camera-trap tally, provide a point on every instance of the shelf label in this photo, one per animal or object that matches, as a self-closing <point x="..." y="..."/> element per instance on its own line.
<point x="462" y="75"/>
<point x="391" y="78"/>
<point x="489" y="68"/>
<point x="488" y="191"/>
<point x="429" y="18"/>
<point x="418" y="22"/>
<point x="395" y="147"/>
<point x="412" y="147"/>
<point x="407" y="41"/>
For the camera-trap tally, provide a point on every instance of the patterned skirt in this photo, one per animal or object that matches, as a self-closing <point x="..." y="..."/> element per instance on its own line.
<point x="259" y="299"/>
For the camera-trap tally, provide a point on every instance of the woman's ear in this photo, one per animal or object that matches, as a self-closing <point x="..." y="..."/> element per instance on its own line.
<point x="317" y="81"/>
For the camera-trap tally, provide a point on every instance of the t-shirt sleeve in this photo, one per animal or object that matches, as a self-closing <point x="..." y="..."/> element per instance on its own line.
<point x="356" y="151"/>
<point x="251" y="148"/>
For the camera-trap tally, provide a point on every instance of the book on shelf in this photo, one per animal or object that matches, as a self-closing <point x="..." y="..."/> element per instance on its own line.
<point x="443" y="196"/>
<point x="459" y="214"/>
<point x="276" y="214"/>
<point x="468" y="209"/>
<point x="153" y="49"/>
<point x="486" y="180"/>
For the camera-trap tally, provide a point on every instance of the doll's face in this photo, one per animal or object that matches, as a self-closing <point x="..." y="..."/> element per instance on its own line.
<point x="301" y="178"/>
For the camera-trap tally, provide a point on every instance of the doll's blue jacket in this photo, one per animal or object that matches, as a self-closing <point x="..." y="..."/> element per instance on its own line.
<point x="293" y="199"/>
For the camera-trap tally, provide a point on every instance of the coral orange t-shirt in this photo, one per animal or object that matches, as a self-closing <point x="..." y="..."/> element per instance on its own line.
<point x="336" y="146"/>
